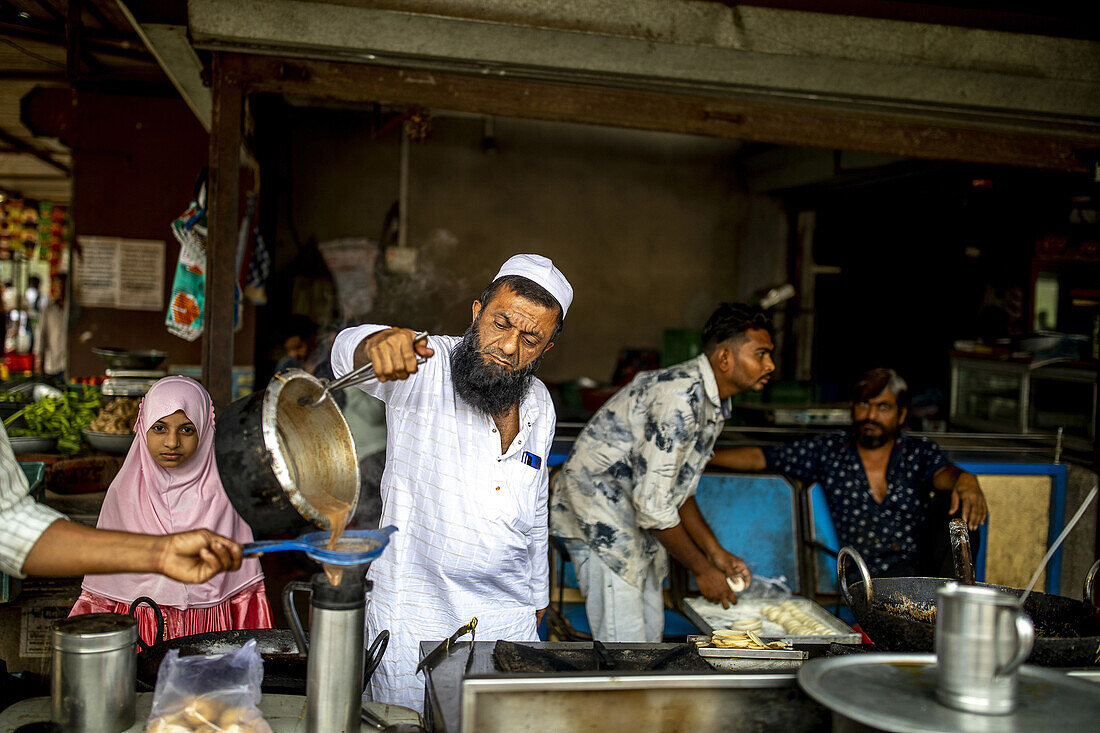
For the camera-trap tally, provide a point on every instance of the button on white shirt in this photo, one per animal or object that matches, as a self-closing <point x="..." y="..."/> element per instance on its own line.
<point x="471" y="518"/>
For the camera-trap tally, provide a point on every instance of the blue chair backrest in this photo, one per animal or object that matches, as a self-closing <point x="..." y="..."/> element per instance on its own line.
<point x="823" y="532"/>
<point x="755" y="518"/>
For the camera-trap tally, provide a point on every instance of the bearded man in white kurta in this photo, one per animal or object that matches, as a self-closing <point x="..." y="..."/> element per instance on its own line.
<point x="468" y="434"/>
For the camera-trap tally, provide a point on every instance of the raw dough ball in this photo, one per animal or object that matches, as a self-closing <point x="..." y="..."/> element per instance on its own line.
<point x="166" y="724"/>
<point x="242" y="714"/>
<point x="198" y="710"/>
<point x="736" y="584"/>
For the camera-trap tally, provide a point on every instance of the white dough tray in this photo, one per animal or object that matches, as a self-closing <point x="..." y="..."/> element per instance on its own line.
<point x="710" y="616"/>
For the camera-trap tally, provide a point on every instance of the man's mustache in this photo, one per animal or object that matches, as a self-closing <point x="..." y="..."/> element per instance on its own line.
<point x="863" y="423"/>
<point x="513" y="360"/>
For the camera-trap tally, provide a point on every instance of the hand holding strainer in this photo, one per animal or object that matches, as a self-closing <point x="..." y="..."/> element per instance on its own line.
<point x="356" y="376"/>
<point x="355" y="547"/>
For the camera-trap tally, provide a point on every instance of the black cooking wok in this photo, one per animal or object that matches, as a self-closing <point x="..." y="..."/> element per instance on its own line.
<point x="899" y="615"/>
<point x="284" y="665"/>
<point x="284" y="668"/>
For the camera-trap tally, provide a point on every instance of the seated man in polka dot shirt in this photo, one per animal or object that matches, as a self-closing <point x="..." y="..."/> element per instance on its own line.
<point x="879" y="483"/>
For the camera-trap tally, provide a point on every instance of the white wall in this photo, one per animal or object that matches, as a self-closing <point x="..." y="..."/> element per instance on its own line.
<point x="651" y="229"/>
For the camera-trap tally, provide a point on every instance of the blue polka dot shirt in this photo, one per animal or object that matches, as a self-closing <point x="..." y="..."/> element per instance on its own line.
<point x="885" y="533"/>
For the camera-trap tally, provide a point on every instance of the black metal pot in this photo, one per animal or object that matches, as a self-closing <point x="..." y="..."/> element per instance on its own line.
<point x="281" y="459"/>
<point x="899" y="615"/>
<point x="284" y="667"/>
<point x="284" y="651"/>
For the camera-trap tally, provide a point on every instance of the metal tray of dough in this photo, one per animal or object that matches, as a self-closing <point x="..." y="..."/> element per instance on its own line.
<point x="710" y="616"/>
<point x="720" y="652"/>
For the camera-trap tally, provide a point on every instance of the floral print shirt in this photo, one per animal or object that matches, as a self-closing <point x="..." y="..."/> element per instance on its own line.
<point x="886" y="533"/>
<point x="635" y="464"/>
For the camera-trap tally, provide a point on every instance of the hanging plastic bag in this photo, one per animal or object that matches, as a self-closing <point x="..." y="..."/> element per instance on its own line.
<point x="209" y="693"/>
<point x="187" y="303"/>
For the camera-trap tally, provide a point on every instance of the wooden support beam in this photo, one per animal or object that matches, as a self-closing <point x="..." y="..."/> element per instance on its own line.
<point x="73" y="27"/>
<point x="98" y="15"/>
<point x="102" y="43"/>
<point x="1026" y="144"/>
<point x="221" y="247"/>
<point x="29" y="149"/>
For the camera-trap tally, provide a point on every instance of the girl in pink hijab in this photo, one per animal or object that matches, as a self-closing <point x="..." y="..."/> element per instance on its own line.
<point x="169" y="483"/>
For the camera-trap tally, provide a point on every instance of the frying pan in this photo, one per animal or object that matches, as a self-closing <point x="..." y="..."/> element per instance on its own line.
<point x="899" y="615"/>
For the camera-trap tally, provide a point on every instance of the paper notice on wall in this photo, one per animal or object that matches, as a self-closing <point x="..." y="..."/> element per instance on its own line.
<point x="352" y="262"/>
<point x="96" y="278"/>
<point x="36" y="624"/>
<point x="119" y="273"/>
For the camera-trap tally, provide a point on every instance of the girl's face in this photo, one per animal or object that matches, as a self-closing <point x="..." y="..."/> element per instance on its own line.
<point x="172" y="439"/>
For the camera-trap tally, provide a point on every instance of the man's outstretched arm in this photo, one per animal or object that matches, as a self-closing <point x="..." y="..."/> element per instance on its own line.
<point x="965" y="493"/>
<point x="748" y="459"/>
<point x="67" y="548"/>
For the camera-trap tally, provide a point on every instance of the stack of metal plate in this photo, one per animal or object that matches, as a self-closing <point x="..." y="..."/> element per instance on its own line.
<point x="130" y="382"/>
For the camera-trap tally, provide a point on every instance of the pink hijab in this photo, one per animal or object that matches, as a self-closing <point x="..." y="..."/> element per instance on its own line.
<point x="150" y="499"/>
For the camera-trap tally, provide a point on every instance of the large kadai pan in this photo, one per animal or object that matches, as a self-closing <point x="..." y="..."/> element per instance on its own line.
<point x="284" y="667"/>
<point x="283" y="459"/>
<point x="899" y="615"/>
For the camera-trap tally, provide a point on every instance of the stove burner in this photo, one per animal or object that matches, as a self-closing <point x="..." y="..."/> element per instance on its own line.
<point x="510" y="657"/>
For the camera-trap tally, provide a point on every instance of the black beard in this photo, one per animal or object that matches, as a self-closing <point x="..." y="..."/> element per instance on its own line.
<point x="487" y="387"/>
<point x="871" y="441"/>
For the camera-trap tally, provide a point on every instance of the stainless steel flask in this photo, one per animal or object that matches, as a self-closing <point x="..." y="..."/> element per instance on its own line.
<point x="93" y="684"/>
<point x="334" y="673"/>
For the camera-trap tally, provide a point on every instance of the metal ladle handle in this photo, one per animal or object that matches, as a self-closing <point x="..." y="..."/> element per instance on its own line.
<point x="360" y="375"/>
<point x="1090" y="578"/>
<point x="842" y="577"/>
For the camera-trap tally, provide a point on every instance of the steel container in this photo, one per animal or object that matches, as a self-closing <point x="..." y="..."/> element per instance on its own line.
<point x="282" y="460"/>
<point x="982" y="638"/>
<point x="92" y="688"/>
<point x="334" y="672"/>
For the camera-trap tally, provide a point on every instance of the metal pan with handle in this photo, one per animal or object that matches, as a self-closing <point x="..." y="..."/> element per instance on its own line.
<point x="899" y="615"/>
<point x="286" y="453"/>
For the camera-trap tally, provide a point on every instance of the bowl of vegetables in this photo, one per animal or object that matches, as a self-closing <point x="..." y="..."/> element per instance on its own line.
<point x="112" y="431"/>
<point x="118" y="443"/>
<point x="58" y="418"/>
<point x="26" y="444"/>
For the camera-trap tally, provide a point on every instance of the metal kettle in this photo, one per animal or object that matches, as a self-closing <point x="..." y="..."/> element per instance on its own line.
<point x="336" y="669"/>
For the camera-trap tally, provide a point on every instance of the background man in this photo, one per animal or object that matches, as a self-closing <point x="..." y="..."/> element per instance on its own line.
<point x="465" y="479"/>
<point x="627" y="491"/>
<point x="299" y="338"/>
<point x="877" y="480"/>
<point x="51" y="343"/>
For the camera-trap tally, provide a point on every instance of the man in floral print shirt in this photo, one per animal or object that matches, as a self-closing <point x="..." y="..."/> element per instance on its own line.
<point x="626" y="494"/>
<point x="879" y="483"/>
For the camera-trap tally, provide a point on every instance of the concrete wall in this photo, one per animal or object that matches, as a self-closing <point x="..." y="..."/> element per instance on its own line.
<point x="651" y="229"/>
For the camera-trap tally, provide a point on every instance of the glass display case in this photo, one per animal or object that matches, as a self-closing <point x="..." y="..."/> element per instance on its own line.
<point x="1063" y="398"/>
<point x="1013" y="397"/>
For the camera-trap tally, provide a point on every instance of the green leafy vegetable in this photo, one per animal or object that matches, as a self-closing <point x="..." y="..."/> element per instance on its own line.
<point x="59" y="417"/>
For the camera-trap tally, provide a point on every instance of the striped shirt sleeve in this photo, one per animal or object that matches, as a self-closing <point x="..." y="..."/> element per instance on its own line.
<point x="23" y="519"/>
